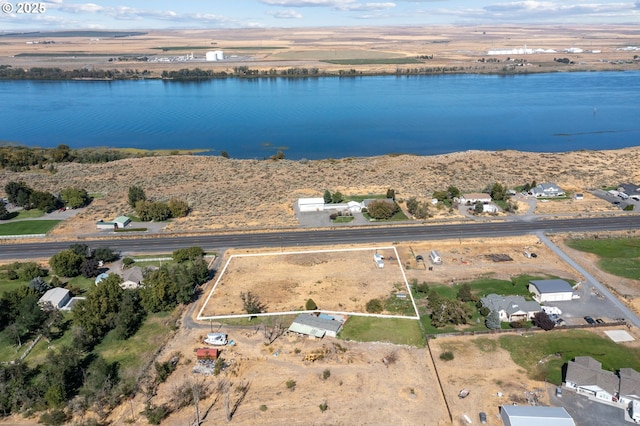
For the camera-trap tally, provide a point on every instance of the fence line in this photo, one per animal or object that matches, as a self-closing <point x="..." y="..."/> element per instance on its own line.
<point x="523" y="330"/>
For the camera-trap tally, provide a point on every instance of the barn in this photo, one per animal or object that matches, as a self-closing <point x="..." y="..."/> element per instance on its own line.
<point x="551" y="290"/>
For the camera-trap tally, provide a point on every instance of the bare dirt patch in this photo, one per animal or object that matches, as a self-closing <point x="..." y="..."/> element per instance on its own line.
<point x="341" y="281"/>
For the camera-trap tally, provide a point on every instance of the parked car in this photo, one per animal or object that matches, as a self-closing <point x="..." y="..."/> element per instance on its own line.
<point x="589" y="320"/>
<point x="534" y="255"/>
<point x="483" y="417"/>
<point x="599" y="320"/>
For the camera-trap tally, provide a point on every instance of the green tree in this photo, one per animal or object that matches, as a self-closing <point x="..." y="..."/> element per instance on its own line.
<point x="541" y="319"/>
<point x="4" y="213"/>
<point x="391" y="193"/>
<point x="105" y="254"/>
<point x="336" y="197"/>
<point x="478" y="207"/>
<point x="62" y="153"/>
<point x="453" y="192"/>
<point x="44" y="201"/>
<point x="498" y="192"/>
<point x="440" y="195"/>
<point x="311" y="305"/>
<point x="90" y="268"/>
<point x="66" y="263"/>
<point x="98" y="312"/>
<point x="74" y="197"/>
<point x="18" y="193"/>
<point x="130" y="315"/>
<point x="224" y="154"/>
<point x="178" y="207"/>
<point x="327" y="196"/>
<point x="493" y="320"/>
<point x="381" y="209"/>
<point x="80" y="249"/>
<point x="464" y="293"/>
<point x="30" y="270"/>
<point x="189" y="253"/>
<point x="251" y="303"/>
<point x="374" y="306"/>
<point x="136" y="193"/>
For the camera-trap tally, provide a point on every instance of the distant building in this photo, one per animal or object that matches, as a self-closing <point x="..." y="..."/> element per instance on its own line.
<point x="474" y="198"/>
<point x="586" y="376"/>
<point x="118" y="223"/>
<point x="306" y="205"/>
<point x="549" y="189"/>
<point x="132" y="278"/>
<point x="555" y="290"/>
<point x="206" y="354"/>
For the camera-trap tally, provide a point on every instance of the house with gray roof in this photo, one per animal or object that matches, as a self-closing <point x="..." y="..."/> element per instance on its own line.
<point x="555" y="290"/>
<point x="315" y="326"/>
<point x="549" y="189"/>
<point x="629" y="385"/>
<point x="511" y="308"/>
<point x="55" y="298"/>
<point x="586" y="376"/>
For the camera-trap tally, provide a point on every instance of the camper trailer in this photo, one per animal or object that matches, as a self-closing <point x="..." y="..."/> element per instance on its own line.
<point x="435" y="257"/>
<point x="216" y="339"/>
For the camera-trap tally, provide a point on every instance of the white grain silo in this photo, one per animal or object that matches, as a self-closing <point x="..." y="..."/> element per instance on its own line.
<point x="211" y="56"/>
<point x="219" y="55"/>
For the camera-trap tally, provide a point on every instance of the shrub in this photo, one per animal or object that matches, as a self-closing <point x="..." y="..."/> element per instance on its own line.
<point x="446" y="356"/>
<point x="326" y="374"/>
<point x="291" y="384"/>
<point x="263" y="407"/>
<point x="127" y="261"/>
<point x="155" y="415"/>
<point x="323" y="406"/>
<point x="311" y="305"/>
<point x="374" y="306"/>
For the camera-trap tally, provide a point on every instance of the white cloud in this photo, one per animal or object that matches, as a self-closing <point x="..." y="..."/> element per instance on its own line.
<point x="285" y="14"/>
<point x="367" y="6"/>
<point x="307" y="3"/>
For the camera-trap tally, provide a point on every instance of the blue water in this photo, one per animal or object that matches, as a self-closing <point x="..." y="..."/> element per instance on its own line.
<point x="330" y="117"/>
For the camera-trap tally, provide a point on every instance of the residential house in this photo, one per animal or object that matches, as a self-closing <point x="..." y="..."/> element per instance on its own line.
<point x="629" y="386"/>
<point x="473" y="198"/>
<point x="511" y="308"/>
<point x="132" y="278"/>
<point x="555" y="290"/>
<point x="586" y="376"/>
<point x="118" y="223"/>
<point x="549" y="189"/>
<point x="207" y="354"/>
<point x="630" y="189"/>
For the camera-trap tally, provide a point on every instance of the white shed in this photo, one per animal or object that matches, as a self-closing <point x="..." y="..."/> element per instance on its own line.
<point x="55" y="298"/>
<point x="551" y="290"/>
<point x="311" y="204"/>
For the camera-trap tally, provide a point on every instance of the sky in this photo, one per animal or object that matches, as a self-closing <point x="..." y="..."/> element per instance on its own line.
<point x="184" y="14"/>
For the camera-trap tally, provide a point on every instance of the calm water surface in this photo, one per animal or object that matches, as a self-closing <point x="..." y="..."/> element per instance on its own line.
<point x="330" y="117"/>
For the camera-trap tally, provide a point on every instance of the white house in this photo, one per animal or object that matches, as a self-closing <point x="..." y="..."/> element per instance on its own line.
<point x="511" y="308"/>
<point x="474" y="198"/>
<point x="522" y="415"/>
<point x="549" y="189"/>
<point x="306" y="205"/>
<point x="551" y="290"/>
<point x="55" y="298"/>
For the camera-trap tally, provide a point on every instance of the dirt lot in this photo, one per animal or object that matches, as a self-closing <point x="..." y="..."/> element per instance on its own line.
<point x="359" y="390"/>
<point x="341" y="281"/>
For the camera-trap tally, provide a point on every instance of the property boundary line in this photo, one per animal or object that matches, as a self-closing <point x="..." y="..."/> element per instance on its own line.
<point x="200" y="317"/>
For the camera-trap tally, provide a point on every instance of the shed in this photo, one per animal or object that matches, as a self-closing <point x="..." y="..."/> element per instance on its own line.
<point x="55" y="298"/>
<point x="312" y="325"/>
<point x="204" y="354"/>
<point x="122" y="221"/>
<point x="101" y="224"/>
<point x="555" y="290"/>
<point x="520" y="415"/>
<point x="310" y="204"/>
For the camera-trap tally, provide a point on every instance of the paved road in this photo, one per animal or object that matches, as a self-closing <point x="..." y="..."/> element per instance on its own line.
<point x="390" y="234"/>
<point x="627" y="314"/>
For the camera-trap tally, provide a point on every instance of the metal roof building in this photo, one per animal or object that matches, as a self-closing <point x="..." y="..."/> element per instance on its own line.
<point x="519" y="415"/>
<point x="555" y="290"/>
<point x="312" y="325"/>
<point x="55" y="298"/>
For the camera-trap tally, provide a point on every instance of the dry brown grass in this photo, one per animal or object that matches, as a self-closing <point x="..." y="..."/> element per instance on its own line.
<point x="252" y="194"/>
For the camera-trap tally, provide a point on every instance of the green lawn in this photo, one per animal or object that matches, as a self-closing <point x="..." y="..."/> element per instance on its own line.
<point x="133" y="354"/>
<point x="559" y="347"/>
<point x="343" y="219"/>
<point x="9" y="285"/>
<point x="618" y="256"/>
<point x="29" y="214"/>
<point x="27" y="227"/>
<point x="393" y="330"/>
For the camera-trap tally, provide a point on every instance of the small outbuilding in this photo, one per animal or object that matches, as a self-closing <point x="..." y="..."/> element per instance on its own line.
<point x="207" y="354"/>
<point x="315" y="326"/>
<point x="55" y="298"/>
<point x="520" y="415"/>
<point x="122" y="221"/>
<point x="555" y="290"/>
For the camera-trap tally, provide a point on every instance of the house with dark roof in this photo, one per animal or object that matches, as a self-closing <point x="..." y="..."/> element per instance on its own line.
<point x="555" y="290"/>
<point x="549" y="189"/>
<point x="629" y="189"/>
<point x="629" y="386"/>
<point x="586" y="376"/>
<point x="132" y="278"/>
<point x="511" y="308"/>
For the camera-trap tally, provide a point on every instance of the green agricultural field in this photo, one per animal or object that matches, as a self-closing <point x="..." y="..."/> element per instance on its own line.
<point x="556" y="348"/>
<point x="394" y="330"/>
<point x="618" y="256"/>
<point x="27" y="227"/>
